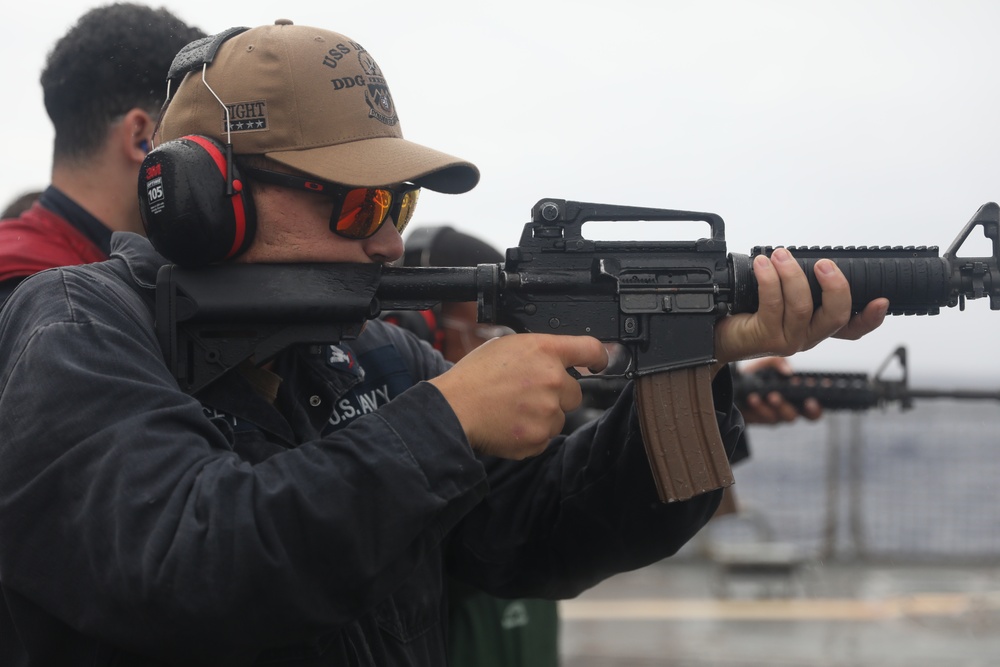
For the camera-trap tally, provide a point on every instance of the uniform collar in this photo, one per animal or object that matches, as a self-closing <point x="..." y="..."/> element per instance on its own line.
<point x="96" y="231"/>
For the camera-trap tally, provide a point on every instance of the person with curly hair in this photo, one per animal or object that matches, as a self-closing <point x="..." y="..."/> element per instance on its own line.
<point x="103" y="88"/>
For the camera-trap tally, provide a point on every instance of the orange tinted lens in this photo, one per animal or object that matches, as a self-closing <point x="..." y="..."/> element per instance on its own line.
<point x="364" y="209"/>
<point x="406" y="207"/>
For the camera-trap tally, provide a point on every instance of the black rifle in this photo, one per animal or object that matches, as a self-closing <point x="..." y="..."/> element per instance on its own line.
<point x="660" y="300"/>
<point x="850" y="391"/>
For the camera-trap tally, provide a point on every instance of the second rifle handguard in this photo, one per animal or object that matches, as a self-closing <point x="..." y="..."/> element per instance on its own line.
<point x="852" y="391"/>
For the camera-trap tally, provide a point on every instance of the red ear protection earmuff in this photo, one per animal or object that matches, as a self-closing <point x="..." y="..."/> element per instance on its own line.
<point x="187" y="210"/>
<point x="191" y="197"/>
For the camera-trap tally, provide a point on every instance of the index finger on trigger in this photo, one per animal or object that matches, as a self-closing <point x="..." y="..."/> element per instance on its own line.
<point x="585" y="351"/>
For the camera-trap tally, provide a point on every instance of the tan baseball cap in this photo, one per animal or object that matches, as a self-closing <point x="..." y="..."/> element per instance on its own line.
<point x="311" y="99"/>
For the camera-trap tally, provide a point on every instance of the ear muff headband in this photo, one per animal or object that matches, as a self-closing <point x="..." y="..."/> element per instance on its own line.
<point x="185" y="217"/>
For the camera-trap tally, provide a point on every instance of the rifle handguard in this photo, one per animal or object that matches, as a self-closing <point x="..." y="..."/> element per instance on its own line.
<point x="681" y="434"/>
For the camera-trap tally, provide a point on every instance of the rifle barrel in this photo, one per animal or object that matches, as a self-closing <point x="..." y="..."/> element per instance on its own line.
<point x="971" y="394"/>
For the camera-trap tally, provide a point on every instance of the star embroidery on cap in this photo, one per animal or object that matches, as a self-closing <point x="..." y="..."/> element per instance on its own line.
<point x="245" y="116"/>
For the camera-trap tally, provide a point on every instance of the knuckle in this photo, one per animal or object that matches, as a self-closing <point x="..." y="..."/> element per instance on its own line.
<point x="801" y="309"/>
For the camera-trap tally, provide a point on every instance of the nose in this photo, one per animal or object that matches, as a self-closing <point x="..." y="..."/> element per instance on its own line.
<point x="385" y="245"/>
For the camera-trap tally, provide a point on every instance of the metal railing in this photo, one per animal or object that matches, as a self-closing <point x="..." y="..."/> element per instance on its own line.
<point x="919" y="485"/>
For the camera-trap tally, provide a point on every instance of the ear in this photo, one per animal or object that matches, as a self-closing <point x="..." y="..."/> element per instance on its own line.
<point x="136" y="134"/>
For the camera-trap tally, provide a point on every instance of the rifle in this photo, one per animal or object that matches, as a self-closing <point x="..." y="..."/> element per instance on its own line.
<point x="660" y="300"/>
<point x="850" y="391"/>
<point x="833" y="390"/>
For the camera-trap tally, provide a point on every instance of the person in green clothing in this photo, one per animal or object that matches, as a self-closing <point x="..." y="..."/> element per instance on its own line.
<point x="484" y="631"/>
<point x="492" y="632"/>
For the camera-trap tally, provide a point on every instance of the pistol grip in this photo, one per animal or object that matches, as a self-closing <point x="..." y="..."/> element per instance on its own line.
<point x="681" y="434"/>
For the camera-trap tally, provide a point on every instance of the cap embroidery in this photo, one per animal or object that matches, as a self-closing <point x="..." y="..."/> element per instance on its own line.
<point x="246" y="117"/>
<point x="377" y="96"/>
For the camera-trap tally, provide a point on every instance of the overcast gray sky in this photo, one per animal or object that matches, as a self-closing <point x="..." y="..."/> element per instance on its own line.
<point x="800" y="123"/>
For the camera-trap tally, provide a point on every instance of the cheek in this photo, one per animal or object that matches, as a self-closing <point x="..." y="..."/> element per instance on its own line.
<point x="293" y="229"/>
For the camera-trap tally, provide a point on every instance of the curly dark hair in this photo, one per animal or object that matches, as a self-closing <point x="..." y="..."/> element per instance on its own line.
<point x="114" y="59"/>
